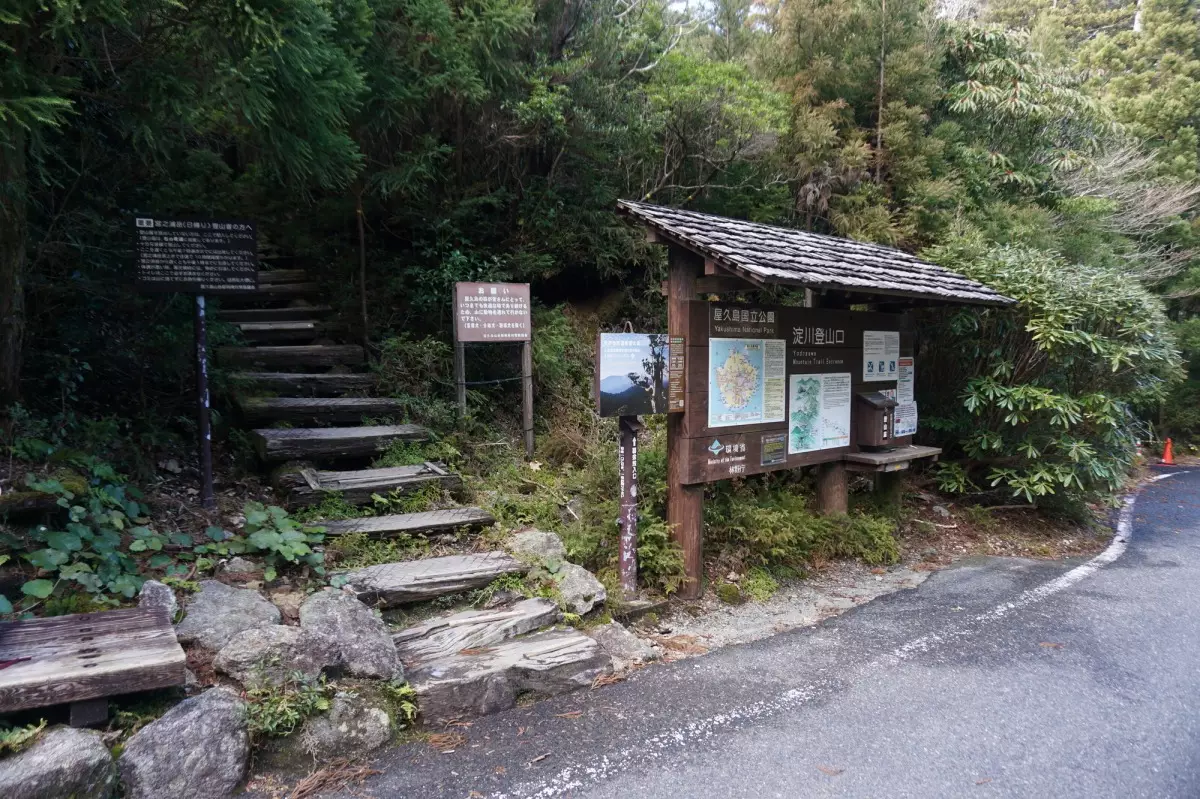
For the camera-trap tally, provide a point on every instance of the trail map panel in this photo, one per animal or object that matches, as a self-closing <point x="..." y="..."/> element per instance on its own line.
<point x="746" y="382"/>
<point x="196" y="256"/>
<point x="494" y="312"/>
<point x="819" y="412"/>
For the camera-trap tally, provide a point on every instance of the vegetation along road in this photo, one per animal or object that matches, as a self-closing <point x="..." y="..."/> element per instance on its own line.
<point x="998" y="677"/>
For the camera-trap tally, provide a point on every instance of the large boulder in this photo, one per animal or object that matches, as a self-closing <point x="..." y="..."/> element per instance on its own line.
<point x="578" y="588"/>
<point x="198" y="749"/>
<point x="349" y="636"/>
<point x="269" y="655"/>
<point x="219" y="612"/>
<point x="625" y="648"/>
<point x="353" y="726"/>
<point x="63" y="762"/>
<point x="537" y="546"/>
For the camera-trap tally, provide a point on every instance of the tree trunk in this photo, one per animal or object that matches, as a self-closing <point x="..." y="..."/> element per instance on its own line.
<point x="879" y="109"/>
<point x="13" y="235"/>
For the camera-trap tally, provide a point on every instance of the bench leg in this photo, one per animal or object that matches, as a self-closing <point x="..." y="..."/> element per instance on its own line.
<point x="89" y="713"/>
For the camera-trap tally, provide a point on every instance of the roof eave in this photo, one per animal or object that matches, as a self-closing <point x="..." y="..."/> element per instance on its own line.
<point x="745" y="274"/>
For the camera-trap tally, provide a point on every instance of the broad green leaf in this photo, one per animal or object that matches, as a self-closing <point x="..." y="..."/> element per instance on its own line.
<point x="38" y="588"/>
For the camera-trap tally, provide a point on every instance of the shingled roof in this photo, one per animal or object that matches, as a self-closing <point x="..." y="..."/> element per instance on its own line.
<point x="769" y="255"/>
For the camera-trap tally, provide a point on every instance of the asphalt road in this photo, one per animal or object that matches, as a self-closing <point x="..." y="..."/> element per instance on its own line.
<point x="995" y="678"/>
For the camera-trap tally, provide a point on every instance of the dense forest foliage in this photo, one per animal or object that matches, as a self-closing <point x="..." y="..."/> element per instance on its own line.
<point x="1048" y="149"/>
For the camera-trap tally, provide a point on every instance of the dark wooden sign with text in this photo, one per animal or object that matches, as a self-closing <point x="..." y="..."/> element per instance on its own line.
<point x="196" y="256"/>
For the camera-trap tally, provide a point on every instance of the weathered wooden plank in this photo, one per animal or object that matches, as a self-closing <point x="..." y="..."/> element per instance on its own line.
<point x="291" y="313"/>
<point x="432" y="521"/>
<point x="312" y="385"/>
<point x="356" y="487"/>
<point x="276" y="332"/>
<point x="305" y="356"/>
<point x="444" y="636"/>
<point x="331" y="410"/>
<point x="282" y="276"/>
<point x="87" y="656"/>
<point x="390" y="584"/>
<point x="304" y="443"/>
<point x="888" y="456"/>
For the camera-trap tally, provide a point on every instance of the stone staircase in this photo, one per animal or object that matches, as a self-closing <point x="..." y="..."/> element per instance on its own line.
<point x="461" y="664"/>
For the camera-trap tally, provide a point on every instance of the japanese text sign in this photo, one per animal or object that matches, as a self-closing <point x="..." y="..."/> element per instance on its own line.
<point x="196" y="256"/>
<point x="492" y="312"/>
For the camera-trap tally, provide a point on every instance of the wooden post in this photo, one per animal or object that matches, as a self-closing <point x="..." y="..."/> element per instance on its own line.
<point x="460" y="377"/>
<point x="628" y="519"/>
<point x="685" y="503"/>
<point x="832" y="491"/>
<point x="527" y="395"/>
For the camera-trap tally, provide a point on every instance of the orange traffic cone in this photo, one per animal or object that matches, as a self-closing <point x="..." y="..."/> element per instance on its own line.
<point x="1168" y="457"/>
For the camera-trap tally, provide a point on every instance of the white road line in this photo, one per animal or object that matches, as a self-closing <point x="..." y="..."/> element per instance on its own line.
<point x="652" y="748"/>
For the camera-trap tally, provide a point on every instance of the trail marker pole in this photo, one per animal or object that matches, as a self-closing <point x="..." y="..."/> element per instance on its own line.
<point x="203" y="405"/>
<point x="628" y="518"/>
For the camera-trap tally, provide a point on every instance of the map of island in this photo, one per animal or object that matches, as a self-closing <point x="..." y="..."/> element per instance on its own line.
<point x="819" y="415"/>
<point x="746" y="381"/>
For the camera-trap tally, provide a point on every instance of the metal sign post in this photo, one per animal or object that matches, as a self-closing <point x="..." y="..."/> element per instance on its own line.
<point x="203" y="406"/>
<point x="198" y="256"/>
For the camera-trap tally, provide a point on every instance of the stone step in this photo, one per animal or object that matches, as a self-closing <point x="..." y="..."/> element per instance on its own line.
<point x="480" y="680"/>
<point x="446" y="635"/>
<point x="282" y="276"/>
<point x="316" y="357"/>
<point x="327" y="410"/>
<point x="268" y="293"/>
<point x="390" y="584"/>
<point x="305" y="486"/>
<point x="291" y="313"/>
<point x="276" y="332"/>
<point x="332" y="443"/>
<point x="424" y="523"/>
<point x="305" y="385"/>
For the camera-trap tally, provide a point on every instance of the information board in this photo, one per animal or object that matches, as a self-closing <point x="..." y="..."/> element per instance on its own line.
<point x="677" y="375"/>
<point x="773" y="387"/>
<point x="196" y="256"/>
<point x="632" y="374"/>
<point x="492" y="312"/>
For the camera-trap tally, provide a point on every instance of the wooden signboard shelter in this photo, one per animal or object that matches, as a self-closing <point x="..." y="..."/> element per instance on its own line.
<point x="767" y="388"/>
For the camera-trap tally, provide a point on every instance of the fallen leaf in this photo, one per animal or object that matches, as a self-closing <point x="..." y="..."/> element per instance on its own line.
<point x="830" y="770"/>
<point x="447" y="742"/>
<point x="607" y="679"/>
<point x="535" y="466"/>
<point x="571" y="714"/>
<point x="500" y="769"/>
<point x="474" y="795"/>
<point x="878" y="570"/>
<point x="1051" y="645"/>
<point x="480" y="650"/>
<point x="687" y="644"/>
<point x="983" y="781"/>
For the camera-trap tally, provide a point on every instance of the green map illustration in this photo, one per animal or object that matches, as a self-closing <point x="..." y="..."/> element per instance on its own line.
<point x="804" y="422"/>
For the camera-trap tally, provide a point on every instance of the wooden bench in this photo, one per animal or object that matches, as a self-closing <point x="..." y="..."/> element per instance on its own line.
<point x="84" y="658"/>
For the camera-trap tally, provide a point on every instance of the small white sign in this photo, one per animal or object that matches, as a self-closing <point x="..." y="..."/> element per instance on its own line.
<point x="906" y="419"/>
<point x="881" y="355"/>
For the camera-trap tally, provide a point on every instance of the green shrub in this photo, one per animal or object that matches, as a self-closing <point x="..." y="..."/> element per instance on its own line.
<point x="14" y="739"/>
<point x="766" y="522"/>
<point x="277" y="710"/>
<point x="419" y="373"/>
<point x="1181" y="414"/>
<point x="271" y="533"/>
<point x="1052" y="385"/>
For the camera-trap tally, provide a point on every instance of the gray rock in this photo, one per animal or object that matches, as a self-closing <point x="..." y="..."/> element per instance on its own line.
<point x="240" y="565"/>
<point x="942" y="510"/>
<point x="270" y="655"/>
<point x="625" y="648"/>
<point x="537" y="546"/>
<point x="157" y="595"/>
<point x="63" y="762"/>
<point x="350" y="637"/>
<point x="579" y="588"/>
<point x="544" y="663"/>
<point x="198" y="749"/>
<point x="219" y="612"/>
<point x="353" y="726"/>
<point x="572" y="511"/>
